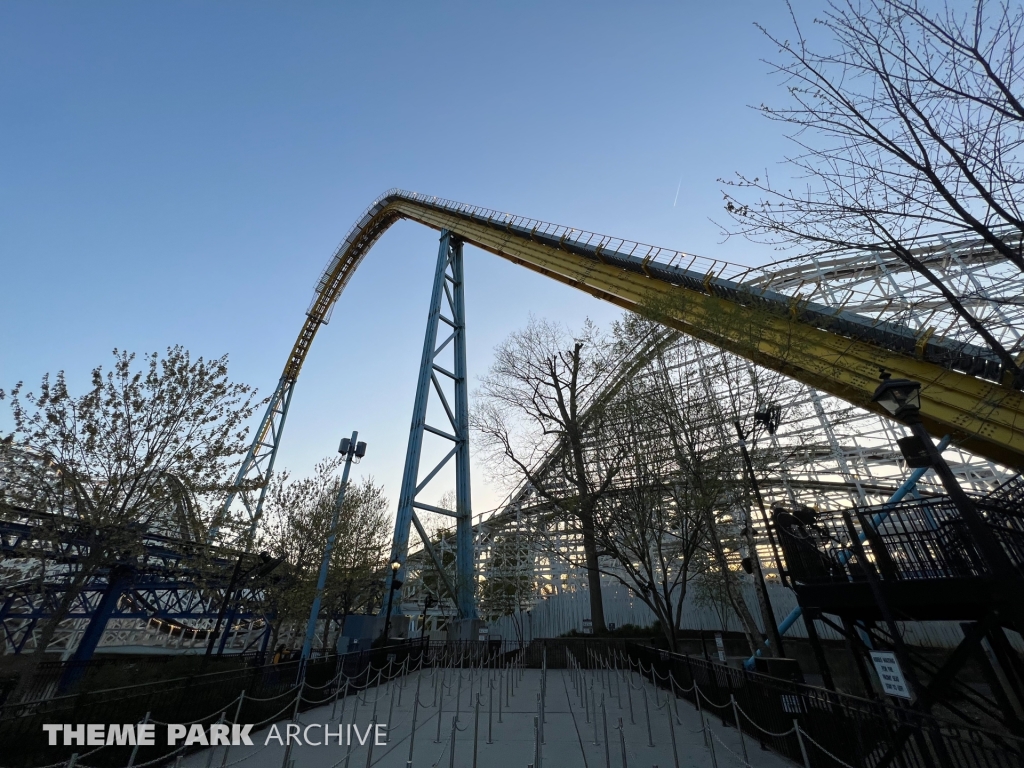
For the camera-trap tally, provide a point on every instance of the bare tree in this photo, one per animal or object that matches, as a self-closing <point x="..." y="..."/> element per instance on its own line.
<point x="912" y="126"/>
<point x="653" y="527"/>
<point x="695" y="417"/>
<point x="142" y="452"/>
<point x="535" y="411"/>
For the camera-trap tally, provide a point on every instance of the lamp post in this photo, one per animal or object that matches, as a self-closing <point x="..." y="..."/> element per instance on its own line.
<point x="350" y="449"/>
<point x="395" y="585"/>
<point x="902" y="399"/>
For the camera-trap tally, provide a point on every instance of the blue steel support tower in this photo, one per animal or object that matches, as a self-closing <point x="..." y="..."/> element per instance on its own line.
<point x="448" y="292"/>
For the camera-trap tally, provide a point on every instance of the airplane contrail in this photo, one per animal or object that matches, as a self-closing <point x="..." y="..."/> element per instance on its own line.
<point x="678" y="187"/>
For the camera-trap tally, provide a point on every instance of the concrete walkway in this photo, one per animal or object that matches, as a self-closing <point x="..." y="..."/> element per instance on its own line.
<point x="573" y="737"/>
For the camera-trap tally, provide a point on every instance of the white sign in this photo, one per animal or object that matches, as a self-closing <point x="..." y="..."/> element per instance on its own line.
<point x="721" y="646"/>
<point x="890" y="674"/>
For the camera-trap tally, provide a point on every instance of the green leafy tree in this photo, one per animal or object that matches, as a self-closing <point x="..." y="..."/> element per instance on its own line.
<point x="147" y="449"/>
<point x="295" y="527"/>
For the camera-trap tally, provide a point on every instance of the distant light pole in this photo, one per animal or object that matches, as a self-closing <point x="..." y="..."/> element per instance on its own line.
<point x="427" y="602"/>
<point x="350" y="449"/>
<point x="395" y="585"/>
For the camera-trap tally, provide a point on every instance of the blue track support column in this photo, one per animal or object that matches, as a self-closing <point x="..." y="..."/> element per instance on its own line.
<point x="258" y="465"/>
<point x="447" y="293"/>
<point x="118" y="581"/>
<point x="464" y="576"/>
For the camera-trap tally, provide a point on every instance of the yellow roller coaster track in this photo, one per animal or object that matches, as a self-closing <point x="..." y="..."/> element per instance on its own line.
<point x="962" y="392"/>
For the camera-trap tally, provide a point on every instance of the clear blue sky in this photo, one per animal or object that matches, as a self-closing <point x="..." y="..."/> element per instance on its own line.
<point x="180" y="173"/>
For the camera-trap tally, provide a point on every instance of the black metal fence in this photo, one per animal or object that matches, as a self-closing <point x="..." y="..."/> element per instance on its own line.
<point x="834" y="728"/>
<point x="57" y="678"/>
<point x="814" y="727"/>
<point x="913" y="540"/>
<point x="257" y="694"/>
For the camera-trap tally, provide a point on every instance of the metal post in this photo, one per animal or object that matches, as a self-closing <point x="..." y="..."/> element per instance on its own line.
<point x="490" y="710"/>
<point x="629" y="695"/>
<point x="440" y="710"/>
<point x="543" y="712"/>
<point x="622" y="743"/>
<point x="355" y="707"/>
<point x="476" y="729"/>
<point x="209" y="758"/>
<point x="458" y="697"/>
<point x="739" y="726"/>
<point x="451" y="752"/>
<point x="295" y="715"/>
<point x="700" y="712"/>
<point x="672" y="733"/>
<point x="325" y="561"/>
<point x="415" y="712"/>
<point x="647" y="709"/>
<point x="800" y="741"/>
<point x="607" y="747"/>
<point x="369" y="752"/>
<point x="135" y="749"/>
<point x="236" y="719"/>
<point x="337" y="694"/>
<point x="391" y="706"/>
<point x="536" y="741"/>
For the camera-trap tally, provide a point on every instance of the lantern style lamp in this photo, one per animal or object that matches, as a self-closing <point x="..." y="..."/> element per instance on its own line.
<point x="900" y="397"/>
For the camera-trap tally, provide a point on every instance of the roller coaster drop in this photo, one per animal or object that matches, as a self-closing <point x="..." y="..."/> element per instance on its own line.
<point x="765" y="316"/>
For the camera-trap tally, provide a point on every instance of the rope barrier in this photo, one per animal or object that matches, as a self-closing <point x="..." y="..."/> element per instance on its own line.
<point x="289" y="692"/>
<point x="808" y="737"/>
<point x="274" y="717"/>
<point x="731" y="752"/>
<point x="246" y="757"/>
<point x="201" y="719"/>
<point x="763" y="730"/>
<point x="709" y="701"/>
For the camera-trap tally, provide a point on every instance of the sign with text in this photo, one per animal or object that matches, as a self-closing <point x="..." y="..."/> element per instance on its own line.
<point x="890" y="674"/>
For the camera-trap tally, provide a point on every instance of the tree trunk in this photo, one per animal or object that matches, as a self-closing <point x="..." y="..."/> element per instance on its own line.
<point x="593" y="574"/>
